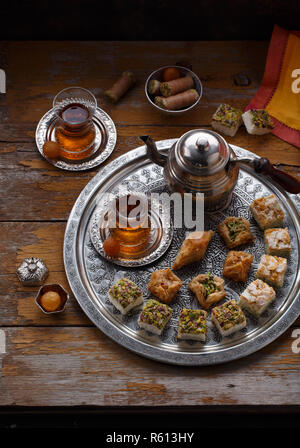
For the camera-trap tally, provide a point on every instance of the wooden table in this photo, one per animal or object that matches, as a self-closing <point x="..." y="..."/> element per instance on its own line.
<point x="64" y="360"/>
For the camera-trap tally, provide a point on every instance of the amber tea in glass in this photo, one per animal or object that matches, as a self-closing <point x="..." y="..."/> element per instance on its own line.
<point x="75" y="131"/>
<point x="129" y="221"/>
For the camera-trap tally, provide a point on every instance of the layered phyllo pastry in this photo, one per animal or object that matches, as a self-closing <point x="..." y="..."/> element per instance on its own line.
<point x="228" y="318"/>
<point x="257" y="297"/>
<point x="192" y="324"/>
<point x="237" y="265"/>
<point x="154" y="316"/>
<point x="278" y="242"/>
<point x="227" y="119"/>
<point x="257" y="121"/>
<point x="208" y="289"/>
<point x="272" y="269"/>
<point x="164" y="284"/>
<point x="235" y="231"/>
<point x="267" y="212"/>
<point x="193" y="248"/>
<point x="125" y="295"/>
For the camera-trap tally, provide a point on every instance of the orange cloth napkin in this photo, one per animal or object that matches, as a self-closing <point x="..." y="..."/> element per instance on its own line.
<point x="279" y="93"/>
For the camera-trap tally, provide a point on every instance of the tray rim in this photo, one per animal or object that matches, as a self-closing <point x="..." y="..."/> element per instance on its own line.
<point x="273" y="331"/>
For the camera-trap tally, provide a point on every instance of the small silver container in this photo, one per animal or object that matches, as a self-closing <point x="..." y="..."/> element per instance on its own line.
<point x="157" y="74"/>
<point x="64" y="295"/>
<point x="32" y="272"/>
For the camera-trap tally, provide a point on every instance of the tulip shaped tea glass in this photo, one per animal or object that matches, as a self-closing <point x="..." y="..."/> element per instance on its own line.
<point x="129" y="221"/>
<point x="75" y="133"/>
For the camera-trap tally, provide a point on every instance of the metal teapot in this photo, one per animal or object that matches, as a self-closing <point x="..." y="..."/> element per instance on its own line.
<point x="201" y="161"/>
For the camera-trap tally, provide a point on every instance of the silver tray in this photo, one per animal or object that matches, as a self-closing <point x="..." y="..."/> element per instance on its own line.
<point x="90" y="276"/>
<point x="105" y="140"/>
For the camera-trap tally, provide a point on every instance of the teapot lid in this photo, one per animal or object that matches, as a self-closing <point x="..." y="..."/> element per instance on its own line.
<point x="202" y="152"/>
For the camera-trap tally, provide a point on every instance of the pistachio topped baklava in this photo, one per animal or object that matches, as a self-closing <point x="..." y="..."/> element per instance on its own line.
<point x="228" y="318"/>
<point x="235" y="231"/>
<point x="192" y="324"/>
<point x="125" y="295"/>
<point x="155" y="316"/>
<point x="208" y="289"/>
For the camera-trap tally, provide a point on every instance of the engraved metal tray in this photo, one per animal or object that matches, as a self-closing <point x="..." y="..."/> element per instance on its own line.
<point x="105" y="140"/>
<point x="90" y="275"/>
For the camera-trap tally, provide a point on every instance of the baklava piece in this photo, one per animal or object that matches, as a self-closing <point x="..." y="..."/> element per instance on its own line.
<point x="154" y="316"/>
<point x="164" y="284"/>
<point x="228" y="318"/>
<point x="193" y="248"/>
<point x="257" y="297"/>
<point x="208" y="289"/>
<point x="227" y="119"/>
<point x="267" y="212"/>
<point x="125" y="295"/>
<point x="237" y="265"/>
<point x="272" y="270"/>
<point x="278" y="242"/>
<point x="235" y="231"/>
<point x="192" y="325"/>
<point x="257" y="121"/>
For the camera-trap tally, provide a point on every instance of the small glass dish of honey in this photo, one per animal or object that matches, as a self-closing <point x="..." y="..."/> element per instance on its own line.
<point x="75" y="131"/>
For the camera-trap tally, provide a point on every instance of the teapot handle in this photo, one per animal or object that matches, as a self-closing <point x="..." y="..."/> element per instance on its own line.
<point x="152" y="151"/>
<point x="286" y="181"/>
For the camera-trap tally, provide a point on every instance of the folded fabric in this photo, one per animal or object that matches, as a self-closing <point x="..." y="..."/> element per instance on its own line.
<point x="279" y="93"/>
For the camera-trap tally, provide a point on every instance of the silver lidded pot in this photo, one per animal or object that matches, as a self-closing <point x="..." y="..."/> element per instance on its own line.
<point x="201" y="161"/>
<point x="32" y="271"/>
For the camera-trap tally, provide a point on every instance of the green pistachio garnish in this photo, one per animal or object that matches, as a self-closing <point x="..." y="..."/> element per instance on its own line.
<point x="261" y="118"/>
<point x="155" y="313"/>
<point x="192" y="321"/>
<point x="229" y="315"/>
<point x="125" y="292"/>
<point x="235" y="227"/>
<point x="209" y="284"/>
<point x="227" y="115"/>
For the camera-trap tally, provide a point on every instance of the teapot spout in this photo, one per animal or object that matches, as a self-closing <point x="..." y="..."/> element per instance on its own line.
<point x="153" y="152"/>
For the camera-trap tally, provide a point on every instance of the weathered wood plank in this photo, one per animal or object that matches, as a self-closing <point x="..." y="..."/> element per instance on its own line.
<point x="96" y="64"/>
<point x="81" y="366"/>
<point x="23" y="239"/>
<point x="17" y="305"/>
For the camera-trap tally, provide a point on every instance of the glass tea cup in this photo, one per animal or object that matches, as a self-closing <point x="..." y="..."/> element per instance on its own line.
<point x="129" y="221"/>
<point x="75" y="133"/>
